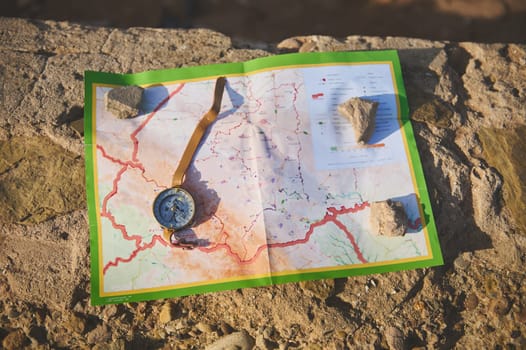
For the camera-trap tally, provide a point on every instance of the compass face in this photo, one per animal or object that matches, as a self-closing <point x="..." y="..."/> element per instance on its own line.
<point x="174" y="208"/>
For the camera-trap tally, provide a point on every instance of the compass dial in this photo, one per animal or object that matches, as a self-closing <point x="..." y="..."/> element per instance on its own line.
<point x="174" y="208"/>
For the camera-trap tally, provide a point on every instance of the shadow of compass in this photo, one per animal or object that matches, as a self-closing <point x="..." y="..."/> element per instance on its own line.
<point x="206" y="204"/>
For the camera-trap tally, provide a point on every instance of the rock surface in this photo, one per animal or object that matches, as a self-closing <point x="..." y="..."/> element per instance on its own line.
<point x="465" y="99"/>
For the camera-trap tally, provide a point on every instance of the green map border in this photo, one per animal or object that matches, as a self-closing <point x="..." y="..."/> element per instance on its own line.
<point x="210" y="71"/>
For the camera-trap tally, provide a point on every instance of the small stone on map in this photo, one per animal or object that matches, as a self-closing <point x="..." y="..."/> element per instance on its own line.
<point x="362" y="115"/>
<point x="124" y="102"/>
<point x="388" y="218"/>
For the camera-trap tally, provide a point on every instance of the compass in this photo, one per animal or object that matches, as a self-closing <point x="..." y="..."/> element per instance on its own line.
<point x="174" y="208"/>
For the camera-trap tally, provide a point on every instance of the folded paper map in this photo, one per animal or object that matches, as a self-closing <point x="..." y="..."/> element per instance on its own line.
<point x="282" y="189"/>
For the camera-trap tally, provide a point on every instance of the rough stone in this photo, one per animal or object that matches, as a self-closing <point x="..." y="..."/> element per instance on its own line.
<point x="504" y="149"/>
<point x="237" y="340"/>
<point x="38" y="271"/>
<point x="435" y="113"/>
<point x="388" y="218"/>
<point x="204" y="327"/>
<point x="362" y="115"/>
<point x="39" y="180"/>
<point x="124" y="102"/>
<point x="464" y="100"/>
<point x="167" y="313"/>
<point x="395" y="339"/>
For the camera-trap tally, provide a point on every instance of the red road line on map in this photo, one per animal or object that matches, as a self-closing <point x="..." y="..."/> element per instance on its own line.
<point x="133" y="135"/>
<point x="139" y="249"/>
<point x="330" y="216"/>
<point x="105" y="213"/>
<point x="130" y="164"/>
<point x="342" y="227"/>
<point x="134" y="164"/>
<point x="113" y="190"/>
<point x="118" y="161"/>
<point x="374" y="145"/>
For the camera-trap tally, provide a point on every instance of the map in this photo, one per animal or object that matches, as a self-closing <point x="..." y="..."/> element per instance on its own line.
<point x="282" y="190"/>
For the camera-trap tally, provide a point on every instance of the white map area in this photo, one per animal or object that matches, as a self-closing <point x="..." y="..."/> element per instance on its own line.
<point x="279" y="183"/>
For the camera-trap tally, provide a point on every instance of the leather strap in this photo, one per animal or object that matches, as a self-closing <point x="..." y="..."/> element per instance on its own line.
<point x="198" y="133"/>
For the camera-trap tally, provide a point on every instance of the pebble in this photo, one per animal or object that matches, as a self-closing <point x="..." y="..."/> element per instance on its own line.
<point x="290" y="44"/>
<point x="182" y="324"/>
<point x="167" y="313"/>
<point x="461" y="263"/>
<point x="13" y="313"/>
<point x="237" y="340"/>
<point x="471" y="302"/>
<point x="225" y="328"/>
<point x="395" y="338"/>
<point x="340" y="334"/>
<point x="78" y="126"/>
<point x="204" y="327"/>
<point x="15" y="340"/>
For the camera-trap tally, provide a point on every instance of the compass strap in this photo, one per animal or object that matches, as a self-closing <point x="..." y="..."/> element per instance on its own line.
<point x="167" y="234"/>
<point x="198" y="133"/>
